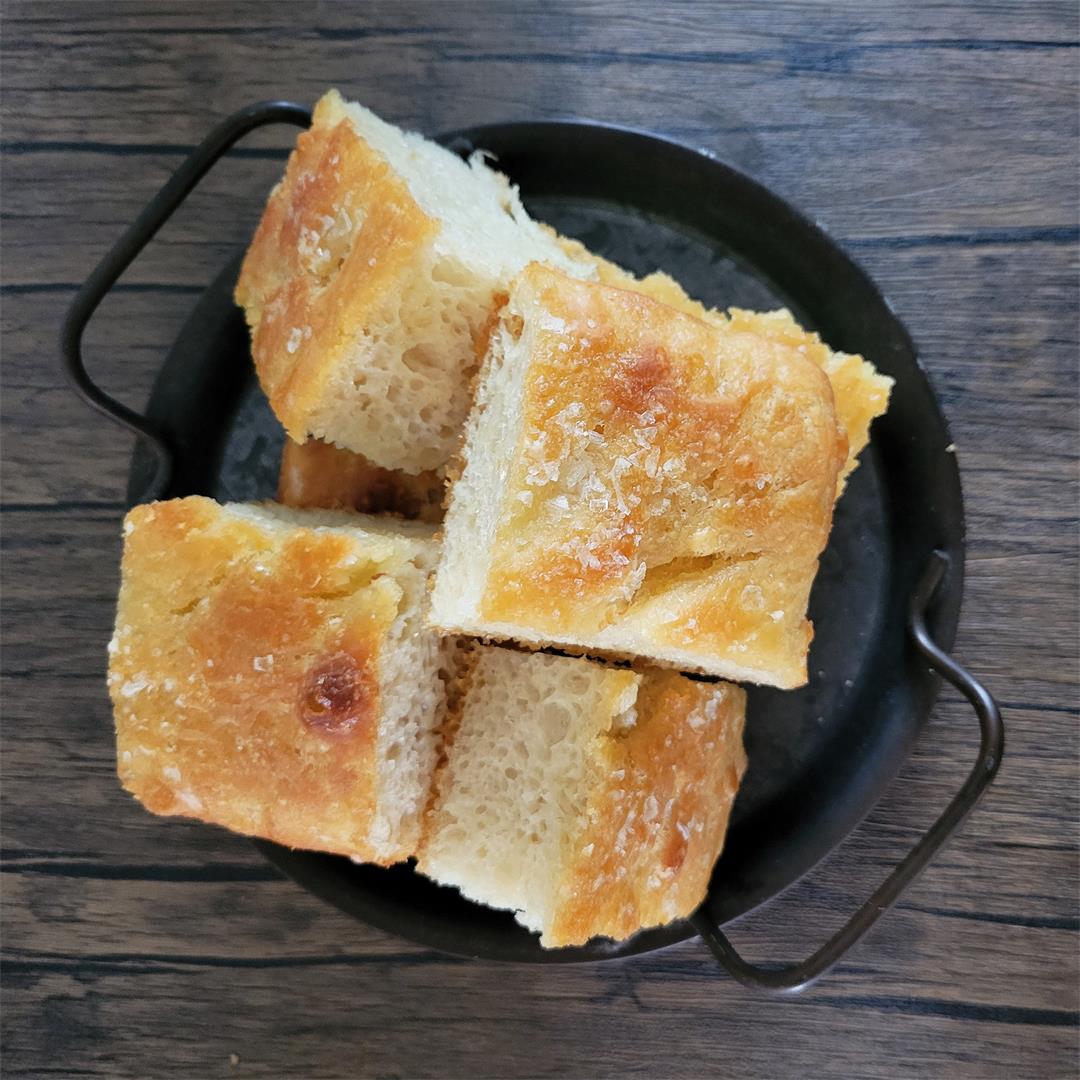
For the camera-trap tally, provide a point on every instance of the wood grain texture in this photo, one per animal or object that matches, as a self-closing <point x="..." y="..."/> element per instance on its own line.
<point x="938" y="142"/>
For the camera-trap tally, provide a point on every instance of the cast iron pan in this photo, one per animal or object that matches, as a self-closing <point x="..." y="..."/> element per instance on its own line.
<point x="890" y="581"/>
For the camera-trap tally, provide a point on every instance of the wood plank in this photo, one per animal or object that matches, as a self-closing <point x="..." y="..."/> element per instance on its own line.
<point x="619" y="1020"/>
<point x="938" y="142"/>
<point x="868" y="100"/>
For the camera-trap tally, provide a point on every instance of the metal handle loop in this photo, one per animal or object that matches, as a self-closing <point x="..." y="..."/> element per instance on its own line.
<point x="794" y="978"/>
<point x="123" y="253"/>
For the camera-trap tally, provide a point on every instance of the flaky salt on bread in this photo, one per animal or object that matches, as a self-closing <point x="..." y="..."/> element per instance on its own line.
<point x="319" y="475"/>
<point x="270" y="673"/>
<point x="860" y="392"/>
<point x="373" y="268"/>
<point x="587" y="799"/>
<point x="638" y="482"/>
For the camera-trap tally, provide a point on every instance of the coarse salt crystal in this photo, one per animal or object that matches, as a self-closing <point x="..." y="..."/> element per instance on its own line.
<point x="752" y="598"/>
<point x="190" y="800"/>
<point x="133" y="687"/>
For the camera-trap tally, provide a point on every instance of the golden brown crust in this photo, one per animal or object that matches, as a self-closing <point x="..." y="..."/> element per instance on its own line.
<point x="861" y="393"/>
<point x="319" y="475"/>
<point x="663" y="458"/>
<point x="336" y="240"/>
<point x="243" y="674"/>
<point x="658" y="814"/>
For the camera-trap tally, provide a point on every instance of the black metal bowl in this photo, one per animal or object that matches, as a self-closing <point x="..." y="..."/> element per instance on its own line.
<point x="890" y="581"/>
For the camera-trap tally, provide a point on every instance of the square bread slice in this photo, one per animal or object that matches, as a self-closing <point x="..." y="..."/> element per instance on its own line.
<point x="317" y="475"/>
<point x="589" y="800"/>
<point x="270" y="672"/>
<point x="638" y="482"/>
<point x="860" y="391"/>
<point x="372" y="272"/>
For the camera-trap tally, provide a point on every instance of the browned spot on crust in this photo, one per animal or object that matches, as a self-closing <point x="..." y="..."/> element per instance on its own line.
<point x="339" y="695"/>
<point x="675" y="852"/>
<point x="643" y="381"/>
<point x="223" y="627"/>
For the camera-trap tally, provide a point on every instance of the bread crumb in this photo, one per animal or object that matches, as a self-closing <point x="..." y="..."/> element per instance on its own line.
<point x="234" y="1060"/>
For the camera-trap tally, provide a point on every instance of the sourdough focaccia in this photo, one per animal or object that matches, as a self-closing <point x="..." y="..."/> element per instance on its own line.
<point x="373" y="269"/>
<point x="270" y="673"/>
<point x="639" y="482"/>
<point x="316" y="475"/>
<point x="587" y="799"/>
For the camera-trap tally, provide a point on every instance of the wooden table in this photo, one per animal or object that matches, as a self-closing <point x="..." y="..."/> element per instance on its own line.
<point x="938" y="142"/>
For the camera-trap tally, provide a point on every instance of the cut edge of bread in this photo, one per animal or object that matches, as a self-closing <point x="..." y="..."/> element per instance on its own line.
<point x="523" y="788"/>
<point x="475" y="499"/>
<point x="640" y="654"/>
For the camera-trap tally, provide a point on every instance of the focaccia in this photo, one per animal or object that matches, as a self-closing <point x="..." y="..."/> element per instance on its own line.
<point x="270" y="673"/>
<point x="639" y="482"/>
<point x="586" y="799"/>
<point x="374" y="267"/>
